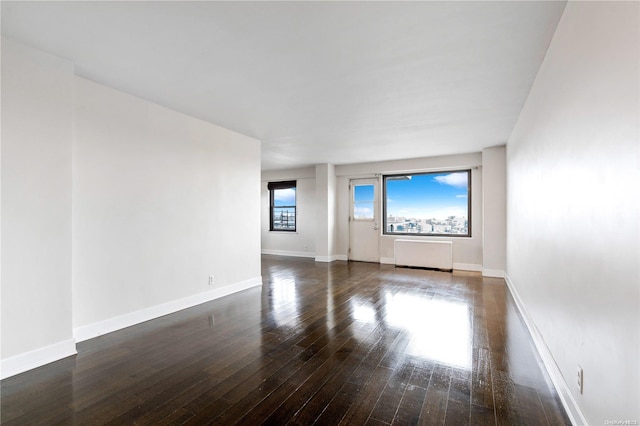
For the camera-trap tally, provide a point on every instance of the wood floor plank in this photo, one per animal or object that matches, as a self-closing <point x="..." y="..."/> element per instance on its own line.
<point x="434" y="409"/>
<point x="389" y="400"/>
<point x="321" y="344"/>
<point x="459" y="401"/>
<point x="408" y="412"/>
<point x="309" y="387"/>
<point x="506" y="405"/>
<point x="253" y="398"/>
<point x="312" y="362"/>
<point x="481" y="390"/>
<point x="336" y="409"/>
<point x="483" y="416"/>
<point x="326" y="392"/>
<point x="358" y="413"/>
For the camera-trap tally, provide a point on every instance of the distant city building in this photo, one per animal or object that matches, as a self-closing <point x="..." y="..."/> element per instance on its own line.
<point x="284" y="219"/>
<point x="449" y="225"/>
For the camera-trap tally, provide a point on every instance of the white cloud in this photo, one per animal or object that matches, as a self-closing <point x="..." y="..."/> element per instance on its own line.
<point x="461" y="196"/>
<point x="362" y="212"/>
<point x="459" y="180"/>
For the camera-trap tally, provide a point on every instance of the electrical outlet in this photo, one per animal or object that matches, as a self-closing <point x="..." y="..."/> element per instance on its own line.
<point x="580" y="379"/>
<point x="210" y="279"/>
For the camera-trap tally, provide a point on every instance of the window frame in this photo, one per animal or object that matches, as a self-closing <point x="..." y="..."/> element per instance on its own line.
<point x="425" y="234"/>
<point x="272" y="187"/>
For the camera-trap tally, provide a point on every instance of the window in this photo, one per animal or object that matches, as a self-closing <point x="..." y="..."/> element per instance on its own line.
<point x="282" y="196"/>
<point x="428" y="204"/>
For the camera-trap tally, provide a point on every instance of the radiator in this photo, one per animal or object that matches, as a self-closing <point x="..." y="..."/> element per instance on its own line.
<point x="424" y="254"/>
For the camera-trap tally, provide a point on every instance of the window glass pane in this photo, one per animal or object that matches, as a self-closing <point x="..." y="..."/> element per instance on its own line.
<point x="284" y="218"/>
<point x="427" y="203"/>
<point x="284" y="197"/>
<point x="363" y="193"/>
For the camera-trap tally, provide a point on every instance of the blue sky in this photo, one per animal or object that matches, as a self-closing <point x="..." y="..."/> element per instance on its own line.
<point x="424" y="196"/>
<point x="363" y="192"/>
<point x="284" y="197"/>
<point x="428" y="196"/>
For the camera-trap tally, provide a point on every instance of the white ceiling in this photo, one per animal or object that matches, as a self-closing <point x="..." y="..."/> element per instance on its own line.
<point x="316" y="82"/>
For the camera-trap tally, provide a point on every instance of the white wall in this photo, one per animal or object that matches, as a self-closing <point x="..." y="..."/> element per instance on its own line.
<point x="36" y="206"/>
<point x="494" y="211"/>
<point x="333" y="227"/>
<point x="114" y="210"/>
<point x="160" y="201"/>
<point x="467" y="252"/>
<point x="326" y="212"/>
<point x="302" y="242"/>
<point x="572" y="215"/>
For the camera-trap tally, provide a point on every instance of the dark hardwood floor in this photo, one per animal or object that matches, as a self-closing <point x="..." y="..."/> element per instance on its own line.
<point x="327" y="344"/>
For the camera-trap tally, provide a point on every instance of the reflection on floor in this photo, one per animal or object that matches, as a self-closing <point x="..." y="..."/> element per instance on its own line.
<point x="340" y="343"/>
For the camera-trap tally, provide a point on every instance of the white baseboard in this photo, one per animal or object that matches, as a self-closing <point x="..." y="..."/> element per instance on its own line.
<point x="289" y="253"/>
<point x="388" y="260"/>
<point x="96" y="329"/>
<point x="467" y="267"/>
<point x="26" y="361"/>
<point x="331" y="258"/>
<point x="492" y="273"/>
<point x="568" y="401"/>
